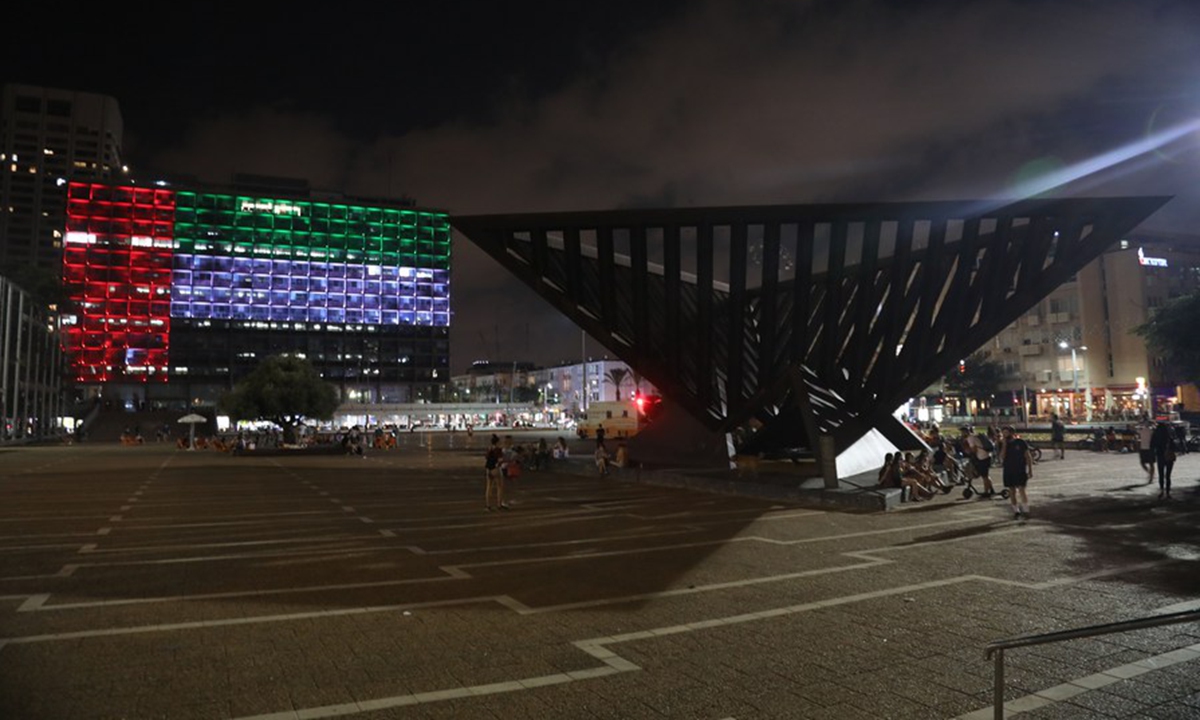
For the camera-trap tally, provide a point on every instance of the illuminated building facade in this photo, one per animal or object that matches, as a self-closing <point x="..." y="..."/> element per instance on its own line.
<point x="1075" y="352"/>
<point x="182" y="291"/>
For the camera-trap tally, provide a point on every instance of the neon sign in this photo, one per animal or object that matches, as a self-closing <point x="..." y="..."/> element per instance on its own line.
<point x="1150" y="261"/>
<point x="266" y="206"/>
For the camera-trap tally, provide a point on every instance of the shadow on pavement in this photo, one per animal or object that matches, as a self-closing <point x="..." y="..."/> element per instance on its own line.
<point x="1118" y="530"/>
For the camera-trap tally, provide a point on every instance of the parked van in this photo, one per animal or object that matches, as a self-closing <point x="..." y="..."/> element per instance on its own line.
<point x="620" y="419"/>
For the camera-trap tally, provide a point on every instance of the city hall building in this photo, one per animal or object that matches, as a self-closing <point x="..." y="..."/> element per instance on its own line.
<point x="174" y="293"/>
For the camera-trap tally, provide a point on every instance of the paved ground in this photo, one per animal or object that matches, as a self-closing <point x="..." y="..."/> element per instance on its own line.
<point x="145" y="583"/>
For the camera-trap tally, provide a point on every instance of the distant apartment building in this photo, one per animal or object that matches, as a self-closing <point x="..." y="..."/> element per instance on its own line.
<point x="49" y="137"/>
<point x="570" y="387"/>
<point x="30" y="368"/>
<point x="1076" y="354"/>
<point x="581" y="384"/>
<point x="495" y="382"/>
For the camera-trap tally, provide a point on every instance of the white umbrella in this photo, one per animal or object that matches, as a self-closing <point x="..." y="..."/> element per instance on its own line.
<point x="191" y="419"/>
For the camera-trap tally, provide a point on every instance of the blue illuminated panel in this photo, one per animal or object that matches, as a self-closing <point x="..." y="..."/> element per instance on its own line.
<point x="207" y="287"/>
<point x="267" y="260"/>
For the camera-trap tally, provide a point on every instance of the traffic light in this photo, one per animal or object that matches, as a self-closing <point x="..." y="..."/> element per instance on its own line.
<point x="647" y="405"/>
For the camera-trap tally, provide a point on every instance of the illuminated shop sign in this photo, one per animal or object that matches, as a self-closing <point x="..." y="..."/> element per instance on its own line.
<point x="1150" y="261"/>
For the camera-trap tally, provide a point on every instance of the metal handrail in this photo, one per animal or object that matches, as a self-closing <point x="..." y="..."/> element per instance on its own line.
<point x="999" y="646"/>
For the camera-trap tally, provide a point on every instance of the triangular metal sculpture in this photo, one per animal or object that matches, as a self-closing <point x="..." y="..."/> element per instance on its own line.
<point x="820" y="319"/>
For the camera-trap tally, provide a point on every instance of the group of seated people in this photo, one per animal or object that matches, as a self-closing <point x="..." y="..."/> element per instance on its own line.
<point x="1109" y="441"/>
<point x="538" y="456"/>
<point x="204" y="443"/>
<point x="384" y="441"/>
<point x="918" y="476"/>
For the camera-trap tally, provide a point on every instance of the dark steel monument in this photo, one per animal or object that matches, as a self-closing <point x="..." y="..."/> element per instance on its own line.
<point x="809" y="323"/>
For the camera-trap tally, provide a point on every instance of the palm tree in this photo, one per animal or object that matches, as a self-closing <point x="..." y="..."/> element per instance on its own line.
<point x="616" y="378"/>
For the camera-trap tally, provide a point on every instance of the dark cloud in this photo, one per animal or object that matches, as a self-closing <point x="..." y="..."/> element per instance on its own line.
<point x="264" y="141"/>
<point x="731" y="103"/>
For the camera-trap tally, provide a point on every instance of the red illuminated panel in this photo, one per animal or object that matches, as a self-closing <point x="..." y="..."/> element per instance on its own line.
<point x="117" y="256"/>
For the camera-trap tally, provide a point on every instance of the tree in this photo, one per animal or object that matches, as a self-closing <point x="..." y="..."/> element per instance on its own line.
<point x="616" y="378"/>
<point x="1170" y="333"/>
<point x="284" y="389"/>
<point x="977" y="377"/>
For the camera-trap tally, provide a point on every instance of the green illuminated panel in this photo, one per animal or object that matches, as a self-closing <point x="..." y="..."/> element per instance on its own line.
<point x="213" y="223"/>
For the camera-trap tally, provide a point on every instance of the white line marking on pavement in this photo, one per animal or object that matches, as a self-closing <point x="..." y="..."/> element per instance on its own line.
<point x="596" y="647"/>
<point x="1079" y="686"/>
<point x="1181" y="607"/>
<point x="330" y="516"/>
<point x="30" y="605"/>
<point x="613" y="664"/>
<point x="34" y="602"/>
<point x="331" y="552"/>
<point x="47" y="535"/>
<point x="40" y="517"/>
<point x="64" y="571"/>
<point x="104" y="531"/>
<point x="197" y="624"/>
<point x="245" y="543"/>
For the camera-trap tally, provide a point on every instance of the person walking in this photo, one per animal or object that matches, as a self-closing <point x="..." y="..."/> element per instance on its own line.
<point x="1162" y="444"/>
<point x="980" y="457"/>
<point x="1145" y="431"/>
<point x="1017" y="463"/>
<point x="1058" y="437"/>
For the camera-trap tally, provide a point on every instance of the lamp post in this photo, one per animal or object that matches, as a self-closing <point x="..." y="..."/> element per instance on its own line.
<point x="1075" y="377"/>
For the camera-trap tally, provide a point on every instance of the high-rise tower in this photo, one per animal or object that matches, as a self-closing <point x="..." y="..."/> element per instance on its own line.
<point x="48" y="137"/>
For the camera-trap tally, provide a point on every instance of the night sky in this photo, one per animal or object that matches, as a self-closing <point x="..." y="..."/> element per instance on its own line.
<point x="482" y="107"/>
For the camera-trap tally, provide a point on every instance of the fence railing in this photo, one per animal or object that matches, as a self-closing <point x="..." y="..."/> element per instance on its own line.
<point x="998" y="647"/>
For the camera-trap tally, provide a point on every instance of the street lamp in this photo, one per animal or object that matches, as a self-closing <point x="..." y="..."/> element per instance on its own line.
<point x="1075" y="377"/>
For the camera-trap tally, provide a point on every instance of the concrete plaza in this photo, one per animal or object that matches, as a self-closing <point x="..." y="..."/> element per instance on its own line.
<point x="146" y="582"/>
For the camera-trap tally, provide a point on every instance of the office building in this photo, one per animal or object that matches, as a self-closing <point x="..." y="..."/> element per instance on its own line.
<point x="47" y="138"/>
<point x="175" y="292"/>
